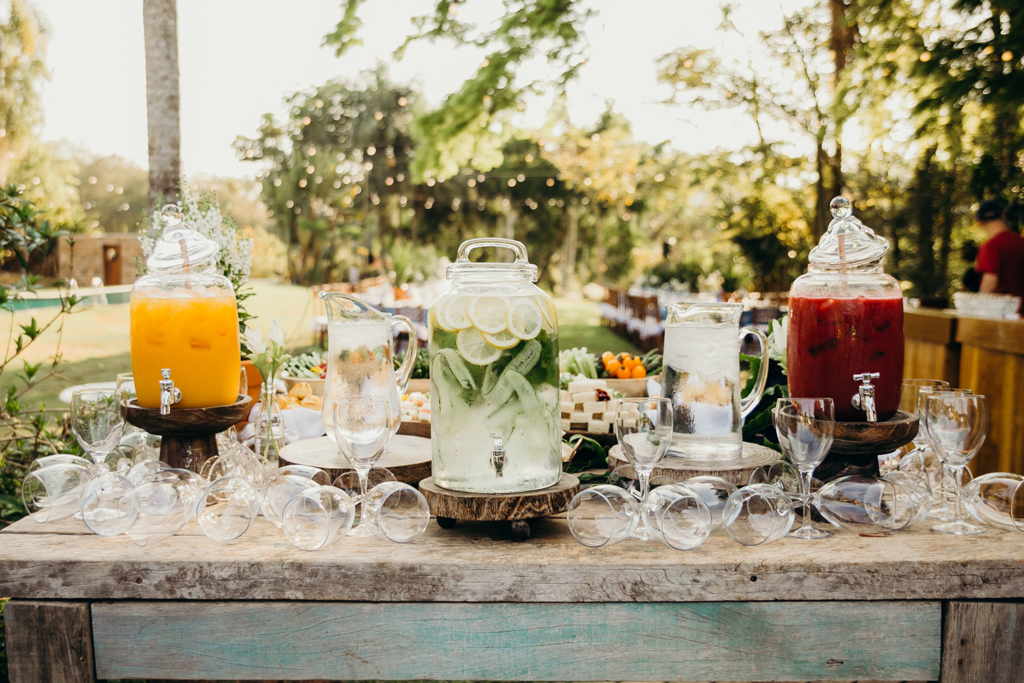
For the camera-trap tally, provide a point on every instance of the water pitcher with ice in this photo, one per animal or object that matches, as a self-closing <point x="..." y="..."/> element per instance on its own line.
<point x="360" y="356"/>
<point x="701" y="375"/>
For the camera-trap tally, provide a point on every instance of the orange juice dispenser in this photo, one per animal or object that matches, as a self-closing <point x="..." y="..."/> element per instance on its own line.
<point x="184" y="324"/>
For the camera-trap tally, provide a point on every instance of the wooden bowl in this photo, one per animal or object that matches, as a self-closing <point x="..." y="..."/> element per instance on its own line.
<point x="414" y="428"/>
<point x="631" y="388"/>
<point x="875" y="438"/>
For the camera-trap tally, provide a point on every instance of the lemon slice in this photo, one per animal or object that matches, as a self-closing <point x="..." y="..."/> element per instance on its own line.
<point x="503" y="339"/>
<point x="474" y="348"/>
<point x="524" y="319"/>
<point x="547" y="308"/>
<point x="451" y="314"/>
<point x="487" y="313"/>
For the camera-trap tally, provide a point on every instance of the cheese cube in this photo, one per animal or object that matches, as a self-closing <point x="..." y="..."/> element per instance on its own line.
<point x="594" y="407"/>
<point x="613" y="405"/>
<point x="579" y="417"/>
<point x="565" y="425"/>
<point x="608" y="417"/>
<point x="584" y="396"/>
<point x="629" y="423"/>
<point x="587" y="385"/>
<point x="564" y="395"/>
<point x="568" y="407"/>
<point x="597" y="427"/>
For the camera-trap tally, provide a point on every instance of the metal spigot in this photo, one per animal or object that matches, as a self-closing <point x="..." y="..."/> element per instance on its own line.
<point x="168" y="394"/>
<point x="864" y="399"/>
<point x="498" y="456"/>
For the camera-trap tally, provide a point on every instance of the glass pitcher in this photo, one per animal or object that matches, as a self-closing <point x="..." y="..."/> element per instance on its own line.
<point x="701" y="375"/>
<point x="495" y="416"/>
<point x="360" y="356"/>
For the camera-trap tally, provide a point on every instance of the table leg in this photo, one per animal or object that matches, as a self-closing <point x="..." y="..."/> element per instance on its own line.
<point x="49" y="640"/>
<point x="983" y="641"/>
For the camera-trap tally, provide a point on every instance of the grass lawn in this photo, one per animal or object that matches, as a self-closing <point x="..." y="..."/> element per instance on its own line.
<point x="95" y="340"/>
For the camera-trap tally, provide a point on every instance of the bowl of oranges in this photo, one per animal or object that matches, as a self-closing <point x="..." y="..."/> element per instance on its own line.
<point x="628" y="374"/>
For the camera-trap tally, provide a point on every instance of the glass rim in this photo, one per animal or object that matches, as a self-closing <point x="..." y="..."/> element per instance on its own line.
<point x="94" y="391"/>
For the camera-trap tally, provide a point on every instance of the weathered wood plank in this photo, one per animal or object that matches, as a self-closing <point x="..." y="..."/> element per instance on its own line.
<point x="983" y="641"/>
<point x="475" y="562"/>
<point x="402" y="641"/>
<point x="997" y="335"/>
<point x="49" y="641"/>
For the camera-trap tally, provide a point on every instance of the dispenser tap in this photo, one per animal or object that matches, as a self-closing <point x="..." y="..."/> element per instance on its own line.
<point x="168" y="394"/>
<point x="864" y="399"/>
<point x="498" y="456"/>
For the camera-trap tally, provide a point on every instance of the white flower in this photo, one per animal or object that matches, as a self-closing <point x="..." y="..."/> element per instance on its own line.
<point x="254" y="339"/>
<point x="778" y="333"/>
<point x="275" y="335"/>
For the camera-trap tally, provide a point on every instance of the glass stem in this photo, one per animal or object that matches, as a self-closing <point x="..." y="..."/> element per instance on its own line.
<point x="957" y="472"/>
<point x="805" y="484"/>
<point x="945" y="470"/>
<point x="645" y="482"/>
<point x="364" y="476"/>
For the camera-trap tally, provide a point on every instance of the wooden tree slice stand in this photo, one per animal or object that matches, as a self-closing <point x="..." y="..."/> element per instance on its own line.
<point x="189" y="435"/>
<point x="857" y="445"/>
<point x="515" y="508"/>
<point x="736" y="471"/>
<point x="408" y="457"/>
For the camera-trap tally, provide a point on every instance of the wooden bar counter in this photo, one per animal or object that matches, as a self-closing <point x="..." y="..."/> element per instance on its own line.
<point x="468" y="604"/>
<point x="985" y="356"/>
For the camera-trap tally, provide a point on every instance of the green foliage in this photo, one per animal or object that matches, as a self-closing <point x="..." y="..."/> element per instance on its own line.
<point x="23" y="41"/>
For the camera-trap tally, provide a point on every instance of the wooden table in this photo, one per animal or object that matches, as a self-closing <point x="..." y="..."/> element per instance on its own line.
<point x="465" y="604"/>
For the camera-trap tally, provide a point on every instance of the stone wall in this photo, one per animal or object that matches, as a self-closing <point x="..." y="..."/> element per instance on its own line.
<point x="109" y="256"/>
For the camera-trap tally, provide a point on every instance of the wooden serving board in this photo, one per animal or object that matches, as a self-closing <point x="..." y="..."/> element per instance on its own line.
<point x="492" y="507"/>
<point x="408" y="457"/>
<point x="736" y="471"/>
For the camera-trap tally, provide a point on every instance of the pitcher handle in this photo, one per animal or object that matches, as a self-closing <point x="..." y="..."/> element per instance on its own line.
<point x="748" y="404"/>
<point x="405" y="371"/>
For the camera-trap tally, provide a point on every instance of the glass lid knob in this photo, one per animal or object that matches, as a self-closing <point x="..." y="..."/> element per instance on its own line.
<point x="840" y="206"/>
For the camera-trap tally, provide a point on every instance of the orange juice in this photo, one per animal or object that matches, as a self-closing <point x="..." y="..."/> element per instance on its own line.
<point x="194" y="332"/>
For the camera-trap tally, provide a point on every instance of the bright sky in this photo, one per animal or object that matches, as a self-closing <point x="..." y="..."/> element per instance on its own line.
<point x="238" y="60"/>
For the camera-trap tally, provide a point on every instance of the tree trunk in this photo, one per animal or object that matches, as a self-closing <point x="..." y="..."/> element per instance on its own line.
<point x="599" y="243"/>
<point x="160" y="22"/>
<point x="841" y="43"/>
<point x="510" y="233"/>
<point x="821" y="210"/>
<point x="569" y="265"/>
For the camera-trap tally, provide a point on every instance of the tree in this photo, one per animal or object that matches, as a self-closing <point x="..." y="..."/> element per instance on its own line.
<point x="22" y="69"/>
<point x="160" y="21"/>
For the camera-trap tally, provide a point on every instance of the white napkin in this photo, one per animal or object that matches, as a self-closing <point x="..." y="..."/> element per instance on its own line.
<point x="299" y="424"/>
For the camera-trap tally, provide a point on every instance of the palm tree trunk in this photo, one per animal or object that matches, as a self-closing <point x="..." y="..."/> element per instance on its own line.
<point x="160" y="22"/>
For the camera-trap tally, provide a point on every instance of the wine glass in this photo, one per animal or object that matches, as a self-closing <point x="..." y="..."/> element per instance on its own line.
<point x="97" y="421"/>
<point x="806" y="427"/>
<point x="362" y="427"/>
<point x="937" y="475"/>
<point x="644" y="438"/>
<point x="956" y="426"/>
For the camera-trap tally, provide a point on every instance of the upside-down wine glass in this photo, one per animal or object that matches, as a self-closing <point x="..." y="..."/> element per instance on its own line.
<point x="644" y="438"/>
<point x="97" y="421"/>
<point x="362" y="427"/>
<point x="806" y="428"/>
<point x="956" y="426"/>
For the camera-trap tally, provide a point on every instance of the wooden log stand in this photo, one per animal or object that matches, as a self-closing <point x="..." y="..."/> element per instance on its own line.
<point x="515" y="508"/>
<point x="736" y="471"/>
<point x="189" y="435"/>
<point x="857" y="445"/>
<point x="407" y="457"/>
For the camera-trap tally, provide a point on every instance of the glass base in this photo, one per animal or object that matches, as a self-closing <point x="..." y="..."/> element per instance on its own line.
<point x="810" y="533"/>
<point x="361" y="531"/>
<point x="942" y="513"/>
<point x="641" y="533"/>
<point x="960" y="528"/>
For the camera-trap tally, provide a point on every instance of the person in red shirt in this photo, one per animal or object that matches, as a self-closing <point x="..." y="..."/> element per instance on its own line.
<point x="1001" y="257"/>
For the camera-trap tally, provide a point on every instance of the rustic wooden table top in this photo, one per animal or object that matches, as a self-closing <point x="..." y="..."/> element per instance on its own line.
<point x="475" y="563"/>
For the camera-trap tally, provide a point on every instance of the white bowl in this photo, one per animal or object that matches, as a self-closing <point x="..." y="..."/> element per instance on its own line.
<point x="985" y="305"/>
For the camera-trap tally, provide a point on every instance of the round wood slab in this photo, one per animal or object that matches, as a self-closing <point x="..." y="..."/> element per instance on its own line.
<point x="875" y="438"/>
<point x="736" y="471"/>
<point x="493" y="507"/>
<point x="408" y="457"/>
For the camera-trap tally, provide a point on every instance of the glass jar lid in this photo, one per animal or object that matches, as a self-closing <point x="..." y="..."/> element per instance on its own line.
<point x="180" y="249"/>
<point x="520" y="268"/>
<point x="848" y="242"/>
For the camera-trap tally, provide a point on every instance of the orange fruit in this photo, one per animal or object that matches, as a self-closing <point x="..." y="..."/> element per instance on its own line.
<point x="606" y="356"/>
<point x="629" y="364"/>
<point x="613" y="367"/>
<point x="622" y="373"/>
<point x="639" y="372"/>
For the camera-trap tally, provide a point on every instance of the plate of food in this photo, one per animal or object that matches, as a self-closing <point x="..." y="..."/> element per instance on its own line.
<point x="308" y="368"/>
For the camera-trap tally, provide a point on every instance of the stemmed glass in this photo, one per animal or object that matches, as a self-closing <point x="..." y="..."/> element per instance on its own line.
<point x="806" y="428"/>
<point x="644" y="439"/>
<point x="956" y="425"/>
<point x="97" y="421"/>
<point x="362" y="427"/>
<point x="941" y="512"/>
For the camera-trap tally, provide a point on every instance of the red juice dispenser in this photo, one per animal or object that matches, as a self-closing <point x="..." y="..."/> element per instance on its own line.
<point x="846" y="323"/>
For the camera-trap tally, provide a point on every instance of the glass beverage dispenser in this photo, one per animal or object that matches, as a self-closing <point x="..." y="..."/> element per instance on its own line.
<point x="495" y="416"/>
<point x="846" y="323"/>
<point x="184" y="319"/>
